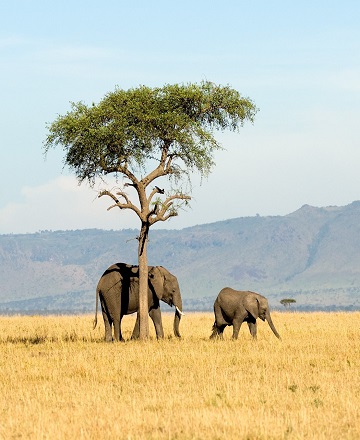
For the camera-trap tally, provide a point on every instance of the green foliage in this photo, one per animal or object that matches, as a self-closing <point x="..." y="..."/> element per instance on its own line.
<point x="129" y="127"/>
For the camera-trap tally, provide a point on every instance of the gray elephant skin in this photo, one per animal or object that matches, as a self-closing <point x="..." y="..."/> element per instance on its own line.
<point x="118" y="291"/>
<point x="233" y="307"/>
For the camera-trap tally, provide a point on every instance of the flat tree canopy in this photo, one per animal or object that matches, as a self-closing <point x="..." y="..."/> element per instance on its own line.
<point x="286" y="302"/>
<point x="169" y="130"/>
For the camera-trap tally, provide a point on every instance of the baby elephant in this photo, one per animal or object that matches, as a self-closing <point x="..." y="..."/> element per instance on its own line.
<point x="233" y="307"/>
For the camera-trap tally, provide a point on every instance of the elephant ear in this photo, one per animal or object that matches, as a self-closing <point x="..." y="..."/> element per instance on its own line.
<point x="251" y="304"/>
<point x="156" y="279"/>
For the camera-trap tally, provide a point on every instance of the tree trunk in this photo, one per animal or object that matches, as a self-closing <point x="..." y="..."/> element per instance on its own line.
<point x="143" y="283"/>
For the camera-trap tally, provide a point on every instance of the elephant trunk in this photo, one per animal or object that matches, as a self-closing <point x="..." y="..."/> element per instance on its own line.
<point x="271" y="325"/>
<point x="178" y="313"/>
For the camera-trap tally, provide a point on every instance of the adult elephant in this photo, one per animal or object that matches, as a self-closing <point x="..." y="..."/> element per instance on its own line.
<point x="233" y="307"/>
<point x="118" y="290"/>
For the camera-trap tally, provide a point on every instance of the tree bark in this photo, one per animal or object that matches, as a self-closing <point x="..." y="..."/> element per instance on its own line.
<point x="143" y="283"/>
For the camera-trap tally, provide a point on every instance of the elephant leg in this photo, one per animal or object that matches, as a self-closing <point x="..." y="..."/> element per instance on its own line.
<point x="108" y="329"/>
<point x="108" y="325"/>
<point x="236" y="327"/>
<point x="218" y="331"/>
<point x="219" y="316"/>
<point x="117" y="330"/>
<point x="220" y="322"/>
<point x="253" y="328"/>
<point x="136" y="331"/>
<point x="155" y="315"/>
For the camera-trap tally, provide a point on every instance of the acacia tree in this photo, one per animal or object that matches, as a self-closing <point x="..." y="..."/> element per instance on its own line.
<point x="144" y="134"/>
<point x="286" y="302"/>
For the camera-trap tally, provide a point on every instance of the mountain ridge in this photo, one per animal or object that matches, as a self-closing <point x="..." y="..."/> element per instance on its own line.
<point x="311" y="255"/>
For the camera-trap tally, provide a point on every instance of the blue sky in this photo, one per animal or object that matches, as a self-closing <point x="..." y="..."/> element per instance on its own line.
<point x="299" y="62"/>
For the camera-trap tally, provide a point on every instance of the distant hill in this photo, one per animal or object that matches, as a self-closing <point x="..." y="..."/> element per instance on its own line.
<point x="311" y="255"/>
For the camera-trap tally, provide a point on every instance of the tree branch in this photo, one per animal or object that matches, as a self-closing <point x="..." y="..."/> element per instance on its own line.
<point x="162" y="214"/>
<point x="122" y="169"/>
<point x="120" y="205"/>
<point x="168" y="164"/>
<point x="163" y="169"/>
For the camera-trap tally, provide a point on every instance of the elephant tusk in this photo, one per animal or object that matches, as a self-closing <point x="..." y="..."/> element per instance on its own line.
<point x="179" y="311"/>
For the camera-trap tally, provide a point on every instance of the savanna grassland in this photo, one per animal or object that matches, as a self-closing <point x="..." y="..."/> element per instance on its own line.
<point x="59" y="380"/>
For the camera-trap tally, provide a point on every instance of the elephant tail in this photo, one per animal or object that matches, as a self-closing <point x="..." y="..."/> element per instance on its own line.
<point x="96" y="308"/>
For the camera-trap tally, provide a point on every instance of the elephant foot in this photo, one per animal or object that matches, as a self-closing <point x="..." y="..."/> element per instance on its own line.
<point x="216" y="335"/>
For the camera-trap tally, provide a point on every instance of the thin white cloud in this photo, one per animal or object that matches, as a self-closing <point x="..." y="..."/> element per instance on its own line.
<point x="62" y="205"/>
<point x="345" y="79"/>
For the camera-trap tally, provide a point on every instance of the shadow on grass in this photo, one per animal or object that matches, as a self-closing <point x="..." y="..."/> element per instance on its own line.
<point x="44" y="339"/>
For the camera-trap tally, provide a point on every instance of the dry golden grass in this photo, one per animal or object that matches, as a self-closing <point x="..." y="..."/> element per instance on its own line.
<point x="60" y="381"/>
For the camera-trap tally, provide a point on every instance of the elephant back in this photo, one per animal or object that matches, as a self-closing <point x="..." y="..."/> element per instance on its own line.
<point x="114" y="275"/>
